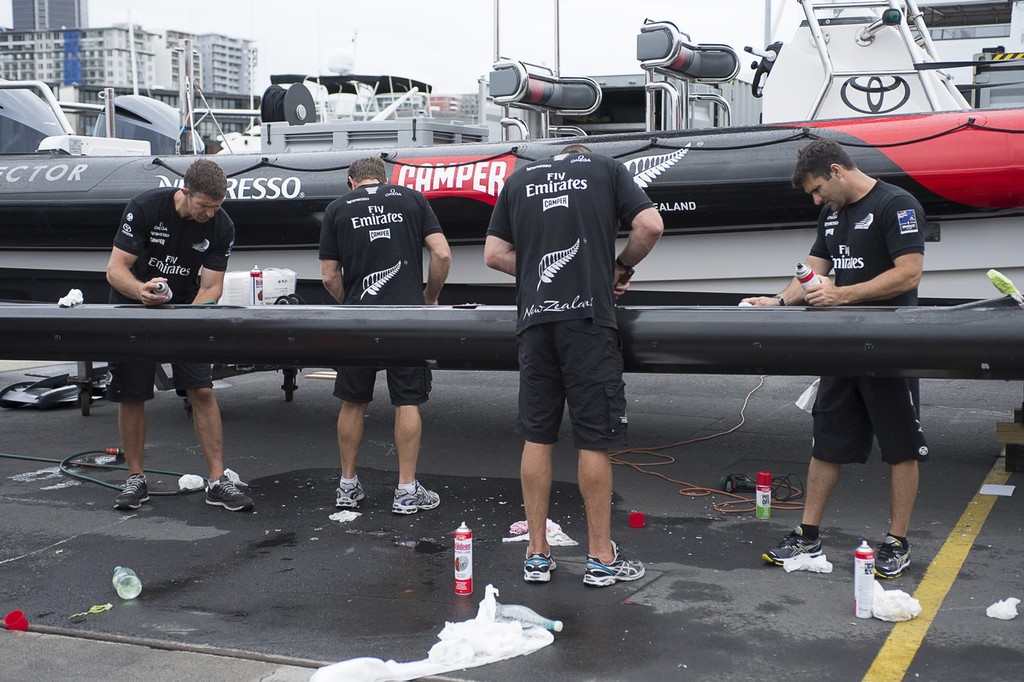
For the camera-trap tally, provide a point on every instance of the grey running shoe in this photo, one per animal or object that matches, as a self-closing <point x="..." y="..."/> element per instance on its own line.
<point x="135" y="492"/>
<point x="538" y="568"/>
<point x="410" y="503"/>
<point x="600" y="574"/>
<point x="226" y="494"/>
<point x="892" y="558"/>
<point x="793" y="545"/>
<point x="349" y="496"/>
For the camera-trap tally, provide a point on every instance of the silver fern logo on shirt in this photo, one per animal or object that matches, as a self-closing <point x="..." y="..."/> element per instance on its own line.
<point x="202" y="246"/>
<point x="375" y="281"/>
<point x="552" y="262"/>
<point x="865" y="222"/>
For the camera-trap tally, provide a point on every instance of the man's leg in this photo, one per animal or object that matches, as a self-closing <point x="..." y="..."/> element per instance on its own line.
<point x="350" y="435"/>
<point x="131" y="422"/>
<point x="408" y="432"/>
<point x="595" y="480"/>
<point x="821" y="479"/>
<point x="208" y="427"/>
<point x="535" y="475"/>
<point x="903" y="482"/>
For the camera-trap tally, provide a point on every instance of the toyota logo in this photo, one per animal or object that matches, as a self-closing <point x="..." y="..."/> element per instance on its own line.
<point x="875" y="94"/>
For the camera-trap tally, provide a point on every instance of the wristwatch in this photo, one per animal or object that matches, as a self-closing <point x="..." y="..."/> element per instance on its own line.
<point x="782" y="301"/>
<point x="629" y="270"/>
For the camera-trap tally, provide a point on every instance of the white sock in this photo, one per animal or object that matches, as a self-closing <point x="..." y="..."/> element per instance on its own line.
<point x="408" y="487"/>
<point x="348" y="482"/>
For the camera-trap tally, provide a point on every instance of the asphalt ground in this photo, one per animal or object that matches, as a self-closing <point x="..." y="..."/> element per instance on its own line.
<point x="272" y="594"/>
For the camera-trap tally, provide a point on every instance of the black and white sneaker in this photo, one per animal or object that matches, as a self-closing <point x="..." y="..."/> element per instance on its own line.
<point x="892" y="558"/>
<point x="135" y="492"/>
<point x="793" y="545"/>
<point x="226" y="494"/>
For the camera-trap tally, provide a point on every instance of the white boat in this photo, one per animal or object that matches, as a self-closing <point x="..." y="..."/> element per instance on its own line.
<point x="860" y="71"/>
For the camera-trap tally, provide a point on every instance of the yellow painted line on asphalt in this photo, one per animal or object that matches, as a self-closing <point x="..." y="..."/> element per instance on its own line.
<point x="901" y="646"/>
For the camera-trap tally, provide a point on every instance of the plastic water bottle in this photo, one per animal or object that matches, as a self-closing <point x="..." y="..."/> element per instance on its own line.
<point x="162" y="289"/>
<point x="763" y="495"/>
<point x="126" y="583"/>
<point x="508" y="613"/>
<point x="806" y="276"/>
<point x="863" y="580"/>
<point x="463" y="560"/>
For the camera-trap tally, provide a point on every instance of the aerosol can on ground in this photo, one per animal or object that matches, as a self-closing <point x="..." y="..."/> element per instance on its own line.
<point x="863" y="580"/>
<point x="463" y="560"/>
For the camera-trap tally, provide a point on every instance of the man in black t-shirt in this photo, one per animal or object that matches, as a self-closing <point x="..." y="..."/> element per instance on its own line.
<point x="870" y="234"/>
<point x="554" y="228"/>
<point x="371" y="253"/>
<point x="181" y="239"/>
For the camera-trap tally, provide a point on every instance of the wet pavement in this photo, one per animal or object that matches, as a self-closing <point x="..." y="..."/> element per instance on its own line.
<point x="275" y="593"/>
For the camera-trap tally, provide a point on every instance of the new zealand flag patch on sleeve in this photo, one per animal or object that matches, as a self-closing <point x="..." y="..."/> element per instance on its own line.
<point x="907" y="219"/>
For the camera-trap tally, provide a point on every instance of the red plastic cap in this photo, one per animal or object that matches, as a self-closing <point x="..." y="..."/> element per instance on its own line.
<point x="764" y="478"/>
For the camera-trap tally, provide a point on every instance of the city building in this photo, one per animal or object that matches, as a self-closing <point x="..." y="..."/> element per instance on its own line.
<point x="40" y="15"/>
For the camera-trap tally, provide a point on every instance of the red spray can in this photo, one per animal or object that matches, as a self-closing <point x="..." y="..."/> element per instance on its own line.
<point x="463" y="560"/>
<point x="256" y="279"/>
<point x="863" y="580"/>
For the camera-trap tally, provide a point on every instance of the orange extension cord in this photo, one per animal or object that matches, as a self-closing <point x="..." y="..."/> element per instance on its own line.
<point x="784" y="490"/>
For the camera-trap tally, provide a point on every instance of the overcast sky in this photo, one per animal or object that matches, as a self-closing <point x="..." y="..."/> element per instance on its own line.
<point x="447" y="43"/>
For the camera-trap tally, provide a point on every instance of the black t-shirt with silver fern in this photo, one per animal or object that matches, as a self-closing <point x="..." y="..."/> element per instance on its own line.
<point x="376" y="232"/>
<point x="562" y="215"/>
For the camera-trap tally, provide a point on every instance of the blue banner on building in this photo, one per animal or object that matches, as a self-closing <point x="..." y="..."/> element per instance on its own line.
<point x="72" y="58"/>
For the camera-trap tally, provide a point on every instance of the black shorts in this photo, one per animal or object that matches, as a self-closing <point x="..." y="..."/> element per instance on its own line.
<point x="132" y="382"/>
<point x="850" y="411"/>
<point x="578" y="363"/>
<point x="407" y="385"/>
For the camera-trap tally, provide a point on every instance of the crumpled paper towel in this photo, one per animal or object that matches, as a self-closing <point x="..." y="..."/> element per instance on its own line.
<point x="468" y="644"/>
<point x="894" y="605"/>
<point x="73" y="298"/>
<point x="806" y="400"/>
<point x="803" y="562"/>
<point x="556" y="538"/>
<point x="1003" y="610"/>
<point x="344" y="516"/>
<point x="191" y="482"/>
<point x="233" y="477"/>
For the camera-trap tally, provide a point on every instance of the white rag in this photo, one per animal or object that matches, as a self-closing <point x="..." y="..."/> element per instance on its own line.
<point x="806" y="400"/>
<point x="468" y="644"/>
<point x="191" y="482"/>
<point x="73" y="298"/>
<point x="803" y="562"/>
<point x="344" y="516"/>
<point x="556" y="538"/>
<point x="894" y="605"/>
<point x="1003" y="610"/>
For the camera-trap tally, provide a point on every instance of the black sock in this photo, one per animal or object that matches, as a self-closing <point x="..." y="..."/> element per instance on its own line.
<point x="808" y="531"/>
<point x="903" y="540"/>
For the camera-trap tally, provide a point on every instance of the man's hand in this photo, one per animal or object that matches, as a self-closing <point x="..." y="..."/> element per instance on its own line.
<point x="824" y="295"/>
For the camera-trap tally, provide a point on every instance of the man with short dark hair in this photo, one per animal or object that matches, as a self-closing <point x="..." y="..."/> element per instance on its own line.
<point x="371" y="253"/>
<point x="553" y="229"/>
<point x="179" y="239"/>
<point x="870" y="233"/>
